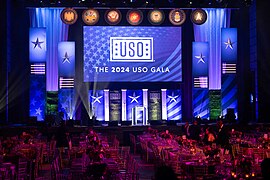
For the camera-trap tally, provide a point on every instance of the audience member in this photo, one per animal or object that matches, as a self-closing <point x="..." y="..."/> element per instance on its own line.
<point x="209" y="136"/>
<point x="222" y="134"/>
<point x="195" y="131"/>
<point x="186" y="129"/>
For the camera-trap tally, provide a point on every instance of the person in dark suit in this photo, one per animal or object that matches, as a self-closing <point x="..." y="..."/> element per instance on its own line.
<point x="222" y="135"/>
<point x="195" y="131"/>
<point x="186" y="129"/>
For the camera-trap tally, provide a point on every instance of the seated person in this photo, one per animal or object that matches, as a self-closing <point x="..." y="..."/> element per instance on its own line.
<point x="210" y="136"/>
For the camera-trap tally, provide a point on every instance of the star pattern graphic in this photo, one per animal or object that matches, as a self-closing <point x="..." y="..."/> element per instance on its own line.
<point x="37" y="43"/>
<point x="66" y="103"/>
<point x="96" y="99"/>
<point x="66" y="58"/>
<point x="97" y="43"/>
<point x="38" y="111"/>
<point x="229" y="44"/>
<point x="134" y="98"/>
<point x="201" y="58"/>
<point x="173" y="97"/>
<point x="37" y="97"/>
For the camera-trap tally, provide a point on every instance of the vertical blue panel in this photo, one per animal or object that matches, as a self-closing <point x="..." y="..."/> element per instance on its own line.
<point x="37" y="97"/>
<point x="115" y="105"/>
<point x="174" y="104"/>
<point x="201" y="103"/>
<point x="200" y="57"/>
<point x="96" y="99"/>
<point x="37" y="45"/>
<point x="229" y="44"/>
<point x="66" y="103"/>
<point x="66" y="59"/>
<point x="134" y="98"/>
<point x="229" y="93"/>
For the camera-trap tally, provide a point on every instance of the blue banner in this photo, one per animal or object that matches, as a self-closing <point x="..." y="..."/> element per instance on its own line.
<point x="37" y="45"/>
<point x="66" y="59"/>
<point x="229" y="45"/>
<point x="37" y="97"/>
<point x="66" y="103"/>
<point x="96" y="99"/>
<point x="174" y="104"/>
<point x="200" y="58"/>
<point x="134" y="98"/>
<point x="229" y="93"/>
<point x="132" y="54"/>
<point x="201" y="103"/>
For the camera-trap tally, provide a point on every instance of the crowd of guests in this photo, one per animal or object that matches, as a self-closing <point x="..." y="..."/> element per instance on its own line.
<point x="207" y="133"/>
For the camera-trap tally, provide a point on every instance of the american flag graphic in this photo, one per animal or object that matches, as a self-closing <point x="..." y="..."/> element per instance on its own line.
<point x="167" y="51"/>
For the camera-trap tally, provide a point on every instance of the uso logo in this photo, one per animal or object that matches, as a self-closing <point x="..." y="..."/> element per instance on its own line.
<point x="131" y="49"/>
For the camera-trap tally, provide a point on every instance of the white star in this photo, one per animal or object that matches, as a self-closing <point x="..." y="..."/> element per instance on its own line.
<point x="229" y="44"/>
<point x="172" y="97"/>
<point x="96" y="99"/>
<point x="134" y="98"/>
<point x="38" y="111"/>
<point x="201" y="58"/>
<point x="66" y="58"/>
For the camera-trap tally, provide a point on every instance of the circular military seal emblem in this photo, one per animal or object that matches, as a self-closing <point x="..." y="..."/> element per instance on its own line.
<point x="134" y="16"/>
<point x="113" y="16"/>
<point x="156" y="16"/>
<point x="69" y="16"/>
<point x="198" y="16"/>
<point x="90" y="16"/>
<point x="177" y="17"/>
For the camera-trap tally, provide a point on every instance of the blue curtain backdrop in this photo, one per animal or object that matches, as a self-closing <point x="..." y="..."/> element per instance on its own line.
<point x="56" y="31"/>
<point x="210" y="32"/>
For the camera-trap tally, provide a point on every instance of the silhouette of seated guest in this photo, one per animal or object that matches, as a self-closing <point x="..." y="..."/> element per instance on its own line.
<point x="210" y="136"/>
<point x="265" y="168"/>
<point x="165" y="172"/>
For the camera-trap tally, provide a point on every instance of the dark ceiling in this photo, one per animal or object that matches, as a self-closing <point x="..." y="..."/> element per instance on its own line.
<point x="140" y="3"/>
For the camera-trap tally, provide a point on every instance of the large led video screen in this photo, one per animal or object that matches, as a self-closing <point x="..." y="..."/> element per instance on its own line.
<point x="132" y="54"/>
